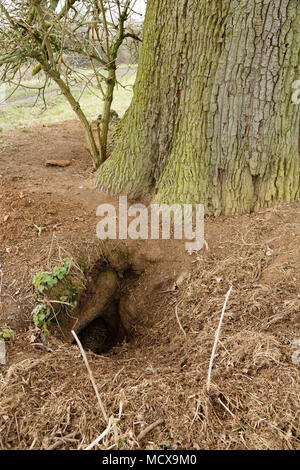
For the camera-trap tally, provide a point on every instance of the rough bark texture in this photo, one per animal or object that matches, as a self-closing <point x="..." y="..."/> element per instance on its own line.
<point x="212" y="119"/>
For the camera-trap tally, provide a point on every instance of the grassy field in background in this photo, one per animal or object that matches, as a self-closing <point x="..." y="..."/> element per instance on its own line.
<point x="26" y="114"/>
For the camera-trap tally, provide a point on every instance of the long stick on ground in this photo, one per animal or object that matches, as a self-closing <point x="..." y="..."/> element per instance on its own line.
<point x="213" y="353"/>
<point x="91" y="376"/>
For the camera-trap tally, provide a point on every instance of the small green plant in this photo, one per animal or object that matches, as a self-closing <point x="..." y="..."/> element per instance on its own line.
<point x="164" y="446"/>
<point x="38" y="228"/>
<point x="240" y="429"/>
<point x="7" y="334"/>
<point x="122" y="443"/>
<point x="55" y="293"/>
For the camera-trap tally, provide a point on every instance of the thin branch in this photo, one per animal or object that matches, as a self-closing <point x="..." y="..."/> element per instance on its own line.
<point x="6" y="14"/>
<point x="213" y="353"/>
<point x="177" y="317"/>
<point x="133" y="36"/>
<point x="149" y="428"/>
<point x="92" y="379"/>
<point x="44" y="27"/>
<point x="105" y="27"/>
<point x="99" y="438"/>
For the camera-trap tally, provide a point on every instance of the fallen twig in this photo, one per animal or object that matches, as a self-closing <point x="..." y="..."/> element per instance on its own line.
<point x="149" y="428"/>
<point x="118" y="373"/>
<point x="111" y="426"/>
<point x="226" y="407"/>
<point x="99" y="438"/>
<point x="177" y="317"/>
<point x="91" y="376"/>
<point x="63" y="440"/>
<point x="213" y="353"/>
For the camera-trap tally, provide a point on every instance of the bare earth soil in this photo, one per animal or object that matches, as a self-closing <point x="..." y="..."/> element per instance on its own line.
<point x="46" y="397"/>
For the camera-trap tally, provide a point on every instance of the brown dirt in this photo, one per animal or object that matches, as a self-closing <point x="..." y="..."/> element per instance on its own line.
<point x="45" y="392"/>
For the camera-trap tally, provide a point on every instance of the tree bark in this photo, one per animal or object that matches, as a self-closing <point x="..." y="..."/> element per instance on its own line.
<point x="212" y="120"/>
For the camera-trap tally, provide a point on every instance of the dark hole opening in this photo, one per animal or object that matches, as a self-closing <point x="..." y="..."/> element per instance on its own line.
<point x="103" y="333"/>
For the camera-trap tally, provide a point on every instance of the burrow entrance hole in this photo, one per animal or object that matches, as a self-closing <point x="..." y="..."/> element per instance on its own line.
<point x="101" y="335"/>
<point x="102" y="309"/>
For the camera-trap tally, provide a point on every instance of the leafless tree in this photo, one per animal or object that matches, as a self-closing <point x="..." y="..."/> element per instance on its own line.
<point x="42" y="33"/>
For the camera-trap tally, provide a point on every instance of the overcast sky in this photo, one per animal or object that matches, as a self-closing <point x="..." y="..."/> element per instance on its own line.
<point x="140" y="6"/>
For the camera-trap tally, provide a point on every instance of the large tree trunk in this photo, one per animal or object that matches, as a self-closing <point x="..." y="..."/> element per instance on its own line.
<point x="212" y="120"/>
